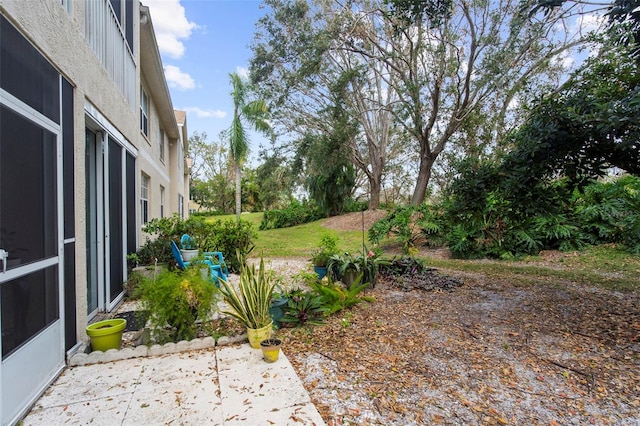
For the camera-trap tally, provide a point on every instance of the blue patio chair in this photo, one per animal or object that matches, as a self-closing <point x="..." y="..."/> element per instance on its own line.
<point x="217" y="258"/>
<point x="215" y="273"/>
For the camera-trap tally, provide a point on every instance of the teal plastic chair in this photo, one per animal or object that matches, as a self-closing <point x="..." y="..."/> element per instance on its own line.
<point x="215" y="273"/>
<point x="219" y="260"/>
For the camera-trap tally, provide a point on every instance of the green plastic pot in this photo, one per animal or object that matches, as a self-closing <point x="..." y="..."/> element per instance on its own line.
<point x="106" y="334"/>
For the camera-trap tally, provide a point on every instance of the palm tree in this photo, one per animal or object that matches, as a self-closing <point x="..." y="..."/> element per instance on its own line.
<point x="245" y="111"/>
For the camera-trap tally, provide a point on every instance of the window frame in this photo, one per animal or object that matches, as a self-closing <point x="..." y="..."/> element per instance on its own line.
<point x="144" y="112"/>
<point x="162" y="153"/>
<point x="162" y="195"/>
<point x="144" y="197"/>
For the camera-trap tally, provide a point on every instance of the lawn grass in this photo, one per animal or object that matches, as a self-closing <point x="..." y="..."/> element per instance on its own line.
<point x="605" y="266"/>
<point x="297" y="241"/>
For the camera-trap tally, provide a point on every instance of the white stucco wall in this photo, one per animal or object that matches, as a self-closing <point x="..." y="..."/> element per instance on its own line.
<point x="60" y="38"/>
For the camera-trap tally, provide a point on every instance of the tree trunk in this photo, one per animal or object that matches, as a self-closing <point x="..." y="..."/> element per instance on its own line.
<point x="238" y="192"/>
<point x="424" y="175"/>
<point x="374" y="193"/>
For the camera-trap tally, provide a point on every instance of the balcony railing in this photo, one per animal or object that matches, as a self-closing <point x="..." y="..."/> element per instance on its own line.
<point x="106" y="37"/>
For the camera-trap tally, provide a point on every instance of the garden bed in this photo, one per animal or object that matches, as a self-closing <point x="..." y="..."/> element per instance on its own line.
<point x="492" y="351"/>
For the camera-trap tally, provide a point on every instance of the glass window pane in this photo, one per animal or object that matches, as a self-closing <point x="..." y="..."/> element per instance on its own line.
<point x="28" y="216"/>
<point x="29" y="304"/>
<point x="115" y="276"/>
<point x="26" y="74"/>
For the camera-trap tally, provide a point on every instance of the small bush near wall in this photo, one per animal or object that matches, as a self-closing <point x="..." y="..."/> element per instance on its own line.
<point x="175" y="300"/>
<point x="224" y="236"/>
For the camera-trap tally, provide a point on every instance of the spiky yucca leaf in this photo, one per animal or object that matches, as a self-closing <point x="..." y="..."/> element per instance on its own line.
<point x="251" y="302"/>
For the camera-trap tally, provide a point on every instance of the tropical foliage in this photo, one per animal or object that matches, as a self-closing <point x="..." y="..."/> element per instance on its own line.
<point x="250" y="303"/>
<point x="174" y="301"/>
<point x="484" y="216"/>
<point x="229" y="237"/>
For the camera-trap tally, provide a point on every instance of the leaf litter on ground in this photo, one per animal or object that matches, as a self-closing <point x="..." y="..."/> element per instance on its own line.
<point x="491" y="351"/>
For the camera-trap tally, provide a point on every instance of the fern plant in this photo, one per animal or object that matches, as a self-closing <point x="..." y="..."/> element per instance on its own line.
<point x="335" y="297"/>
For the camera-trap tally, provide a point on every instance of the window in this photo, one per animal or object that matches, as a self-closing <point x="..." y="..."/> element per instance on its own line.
<point x="180" y="156"/>
<point x="124" y="15"/>
<point x="144" y="198"/>
<point x="181" y="206"/>
<point x="144" y="112"/>
<point x="161" y="144"/>
<point x="67" y="6"/>
<point x="161" y="201"/>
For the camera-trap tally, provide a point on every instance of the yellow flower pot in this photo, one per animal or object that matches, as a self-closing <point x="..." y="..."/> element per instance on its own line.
<point x="270" y="349"/>
<point x="258" y="335"/>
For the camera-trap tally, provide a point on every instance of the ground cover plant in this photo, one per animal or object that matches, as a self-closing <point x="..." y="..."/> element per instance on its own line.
<point x="485" y="214"/>
<point x="174" y="301"/>
<point x="540" y="341"/>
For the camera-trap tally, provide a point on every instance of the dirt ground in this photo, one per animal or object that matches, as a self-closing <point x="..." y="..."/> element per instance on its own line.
<point x="489" y="352"/>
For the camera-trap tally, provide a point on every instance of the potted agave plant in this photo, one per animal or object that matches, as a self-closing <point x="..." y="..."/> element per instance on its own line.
<point x="250" y="303"/>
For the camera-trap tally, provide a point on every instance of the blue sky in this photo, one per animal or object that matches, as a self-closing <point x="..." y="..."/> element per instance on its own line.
<point x="201" y="42"/>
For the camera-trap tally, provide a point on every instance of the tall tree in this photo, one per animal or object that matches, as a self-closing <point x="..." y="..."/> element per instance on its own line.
<point x="245" y="112"/>
<point x="210" y="174"/>
<point x="444" y="62"/>
<point x="304" y="86"/>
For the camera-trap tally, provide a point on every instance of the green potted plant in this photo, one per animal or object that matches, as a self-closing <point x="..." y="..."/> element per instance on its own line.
<point x="279" y="300"/>
<point x="251" y="301"/>
<point x="188" y="248"/>
<point x="175" y="300"/>
<point x="320" y="257"/>
<point x="347" y="267"/>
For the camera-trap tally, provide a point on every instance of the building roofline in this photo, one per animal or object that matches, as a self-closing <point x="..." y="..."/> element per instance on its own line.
<point x="153" y="71"/>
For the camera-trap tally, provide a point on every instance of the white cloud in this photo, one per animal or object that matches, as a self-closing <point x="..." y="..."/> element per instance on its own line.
<point x="242" y="72"/>
<point x="171" y="26"/>
<point x="178" y="79"/>
<point x="206" y="113"/>
<point x="566" y="59"/>
<point x="590" y="22"/>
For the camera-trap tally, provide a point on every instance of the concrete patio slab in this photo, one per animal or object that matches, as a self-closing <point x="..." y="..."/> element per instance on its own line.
<point x="258" y="393"/>
<point x="222" y="386"/>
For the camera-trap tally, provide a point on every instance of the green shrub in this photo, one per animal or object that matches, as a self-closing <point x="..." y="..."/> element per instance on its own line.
<point x="328" y="247"/>
<point x="175" y="300"/>
<point x="407" y="225"/>
<point x="234" y="239"/>
<point x="609" y="212"/>
<point x="228" y="237"/>
<point x="295" y="214"/>
<point x="335" y="297"/>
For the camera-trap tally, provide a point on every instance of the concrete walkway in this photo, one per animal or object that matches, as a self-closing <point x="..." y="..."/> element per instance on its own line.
<point x="226" y="385"/>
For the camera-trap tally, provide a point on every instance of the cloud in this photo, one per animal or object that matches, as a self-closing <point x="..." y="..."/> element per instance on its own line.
<point x="590" y="22"/>
<point x="171" y="26"/>
<point x="178" y="79"/>
<point x="242" y="72"/>
<point x="206" y="113"/>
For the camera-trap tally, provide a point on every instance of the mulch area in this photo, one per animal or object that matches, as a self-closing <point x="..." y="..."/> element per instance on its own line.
<point x="354" y="221"/>
<point x="486" y="352"/>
